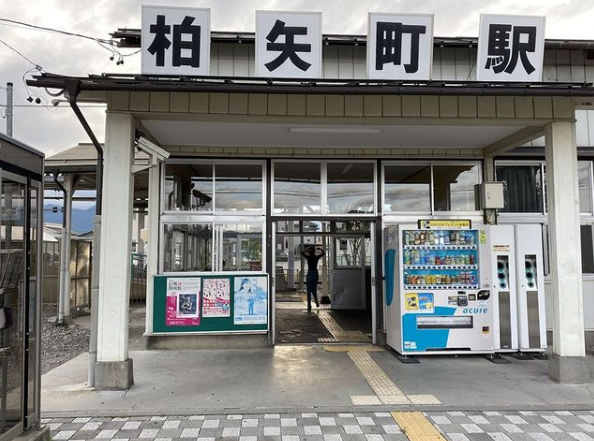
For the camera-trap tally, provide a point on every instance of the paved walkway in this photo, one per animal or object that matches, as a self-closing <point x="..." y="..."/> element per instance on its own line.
<point x="371" y="426"/>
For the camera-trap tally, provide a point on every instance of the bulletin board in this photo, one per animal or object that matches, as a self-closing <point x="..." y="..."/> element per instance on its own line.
<point x="211" y="303"/>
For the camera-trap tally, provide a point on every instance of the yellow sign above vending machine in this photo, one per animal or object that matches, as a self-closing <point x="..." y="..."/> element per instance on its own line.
<point x="445" y="223"/>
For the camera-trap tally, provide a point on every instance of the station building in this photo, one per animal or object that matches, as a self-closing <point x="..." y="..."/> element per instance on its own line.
<point x="244" y="170"/>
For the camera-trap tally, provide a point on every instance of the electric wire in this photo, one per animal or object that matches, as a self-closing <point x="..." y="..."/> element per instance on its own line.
<point x="37" y="66"/>
<point x="106" y="44"/>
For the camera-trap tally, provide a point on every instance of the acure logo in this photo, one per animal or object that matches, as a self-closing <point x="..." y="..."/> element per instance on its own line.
<point x="474" y="310"/>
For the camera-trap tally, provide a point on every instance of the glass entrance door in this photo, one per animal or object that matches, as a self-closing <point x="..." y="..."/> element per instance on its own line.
<point x="345" y="286"/>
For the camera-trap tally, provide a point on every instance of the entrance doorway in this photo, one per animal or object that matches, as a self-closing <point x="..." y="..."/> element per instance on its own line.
<point x="345" y="291"/>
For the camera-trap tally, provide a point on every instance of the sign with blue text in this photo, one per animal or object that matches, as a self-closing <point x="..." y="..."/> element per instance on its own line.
<point x="288" y="44"/>
<point x="510" y="48"/>
<point x="400" y="46"/>
<point x="175" y="41"/>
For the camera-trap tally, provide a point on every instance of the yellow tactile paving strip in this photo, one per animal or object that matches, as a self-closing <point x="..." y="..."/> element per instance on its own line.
<point x="364" y="348"/>
<point x="380" y="383"/>
<point x="386" y="391"/>
<point x="416" y="427"/>
<point x="339" y="334"/>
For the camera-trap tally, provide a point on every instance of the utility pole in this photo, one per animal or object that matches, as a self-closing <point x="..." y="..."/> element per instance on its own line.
<point x="9" y="108"/>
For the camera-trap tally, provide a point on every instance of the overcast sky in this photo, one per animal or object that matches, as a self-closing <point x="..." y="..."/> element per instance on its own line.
<point x="58" y="129"/>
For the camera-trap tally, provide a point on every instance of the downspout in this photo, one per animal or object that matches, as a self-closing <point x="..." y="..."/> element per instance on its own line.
<point x="61" y="280"/>
<point x="72" y="91"/>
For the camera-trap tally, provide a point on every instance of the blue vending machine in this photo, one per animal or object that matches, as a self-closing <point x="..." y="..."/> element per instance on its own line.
<point x="439" y="305"/>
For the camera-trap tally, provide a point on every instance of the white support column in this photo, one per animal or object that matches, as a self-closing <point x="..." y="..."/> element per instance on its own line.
<point x="67" y="243"/>
<point x="153" y="241"/>
<point x="140" y="245"/>
<point x="568" y="363"/>
<point x="113" y="369"/>
<point x="64" y="286"/>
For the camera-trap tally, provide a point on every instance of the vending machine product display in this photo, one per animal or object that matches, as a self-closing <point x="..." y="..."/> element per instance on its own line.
<point x="438" y="304"/>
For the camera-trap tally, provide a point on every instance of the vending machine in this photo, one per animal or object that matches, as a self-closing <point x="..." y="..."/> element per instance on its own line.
<point x="530" y="284"/>
<point x="439" y="304"/>
<point x="498" y="265"/>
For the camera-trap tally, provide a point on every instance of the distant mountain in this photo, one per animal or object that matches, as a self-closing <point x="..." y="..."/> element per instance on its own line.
<point x="82" y="220"/>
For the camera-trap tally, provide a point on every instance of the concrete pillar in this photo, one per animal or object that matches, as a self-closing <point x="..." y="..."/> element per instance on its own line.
<point x="113" y="370"/>
<point x="568" y="363"/>
<point x="153" y="242"/>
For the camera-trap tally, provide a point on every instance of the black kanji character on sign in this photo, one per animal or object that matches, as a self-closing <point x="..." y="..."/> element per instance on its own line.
<point x="289" y="48"/>
<point x="161" y="43"/>
<point x="502" y="56"/>
<point x="388" y="47"/>
<point x="186" y="28"/>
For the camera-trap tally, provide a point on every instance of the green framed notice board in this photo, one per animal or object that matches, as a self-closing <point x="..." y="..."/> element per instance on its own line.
<point x="221" y="302"/>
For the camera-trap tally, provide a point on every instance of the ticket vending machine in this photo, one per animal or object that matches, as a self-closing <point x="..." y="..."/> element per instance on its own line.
<point x="437" y="306"/>
<point x="498" y="264"/>
<point x="532" y="331"/>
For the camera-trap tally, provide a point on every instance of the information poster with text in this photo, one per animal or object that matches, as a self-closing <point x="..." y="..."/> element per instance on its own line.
<point x="216" y="298"/>
<point x="250" y="298"/>
<point x="183" y="301"/>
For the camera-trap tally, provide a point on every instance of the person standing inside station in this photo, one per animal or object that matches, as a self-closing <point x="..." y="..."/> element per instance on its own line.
<point x="312" y="255"/>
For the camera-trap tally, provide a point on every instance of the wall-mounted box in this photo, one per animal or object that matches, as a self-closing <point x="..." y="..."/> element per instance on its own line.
<point x="489" y="195"/>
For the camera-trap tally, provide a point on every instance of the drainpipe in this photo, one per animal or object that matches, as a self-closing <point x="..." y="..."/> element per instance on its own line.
<point x="63" y="263"/>
<point x="72" y="91"/>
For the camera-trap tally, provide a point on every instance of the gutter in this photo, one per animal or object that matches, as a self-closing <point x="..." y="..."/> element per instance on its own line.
<point x="315" y="87"/>
<point x="72" y="87"/>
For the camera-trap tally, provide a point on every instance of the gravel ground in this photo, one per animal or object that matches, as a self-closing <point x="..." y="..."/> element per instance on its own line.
<point x="60" y="343"/>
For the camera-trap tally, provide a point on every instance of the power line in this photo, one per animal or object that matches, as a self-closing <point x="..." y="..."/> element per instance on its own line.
<point x="107" y="44"/>
<point x="72" y="34"/>
<point x="37" y="66"/>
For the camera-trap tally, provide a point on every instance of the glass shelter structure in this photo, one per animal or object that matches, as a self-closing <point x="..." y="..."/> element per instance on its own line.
<point x="21" y="171"/>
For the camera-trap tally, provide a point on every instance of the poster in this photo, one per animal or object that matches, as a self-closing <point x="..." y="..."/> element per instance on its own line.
<point x="426" y="304"/>
<point x="412" y="301"/>
<point x="250" y="297"/>
<point x="216" y="298"/>
<point x="183" y="302"/>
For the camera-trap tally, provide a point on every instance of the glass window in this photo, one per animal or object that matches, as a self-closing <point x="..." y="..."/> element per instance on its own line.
<point x="238" y="187"/>
<point x="522" y="188"/>
<point x="453" y="187"/>
<point x="587" y="249"/>
<point x="584" y="187"/>
<point x="242" y="247"/>
<point x="350" y="188"/>
<point x="188" y="187"/>
<point x="207" y="187"/>
<point x="297" y="187"/>
<point x="12" y="298"/>
<point x="33" y="296"/>
<point x="187" y="247"/>
<point x="407" y="188"/>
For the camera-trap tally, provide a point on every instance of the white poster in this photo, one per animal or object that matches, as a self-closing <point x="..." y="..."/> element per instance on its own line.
<point x="175" y="41"/>
<point x="288" y="44"/>
<point x="400" y="46"/>
<point x="250" y="300"/>
<point x="510" y="48"/>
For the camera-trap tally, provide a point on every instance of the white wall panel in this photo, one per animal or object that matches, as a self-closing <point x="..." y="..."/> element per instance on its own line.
<point x="330" y="61"/>
<point x="581" y="128"/>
